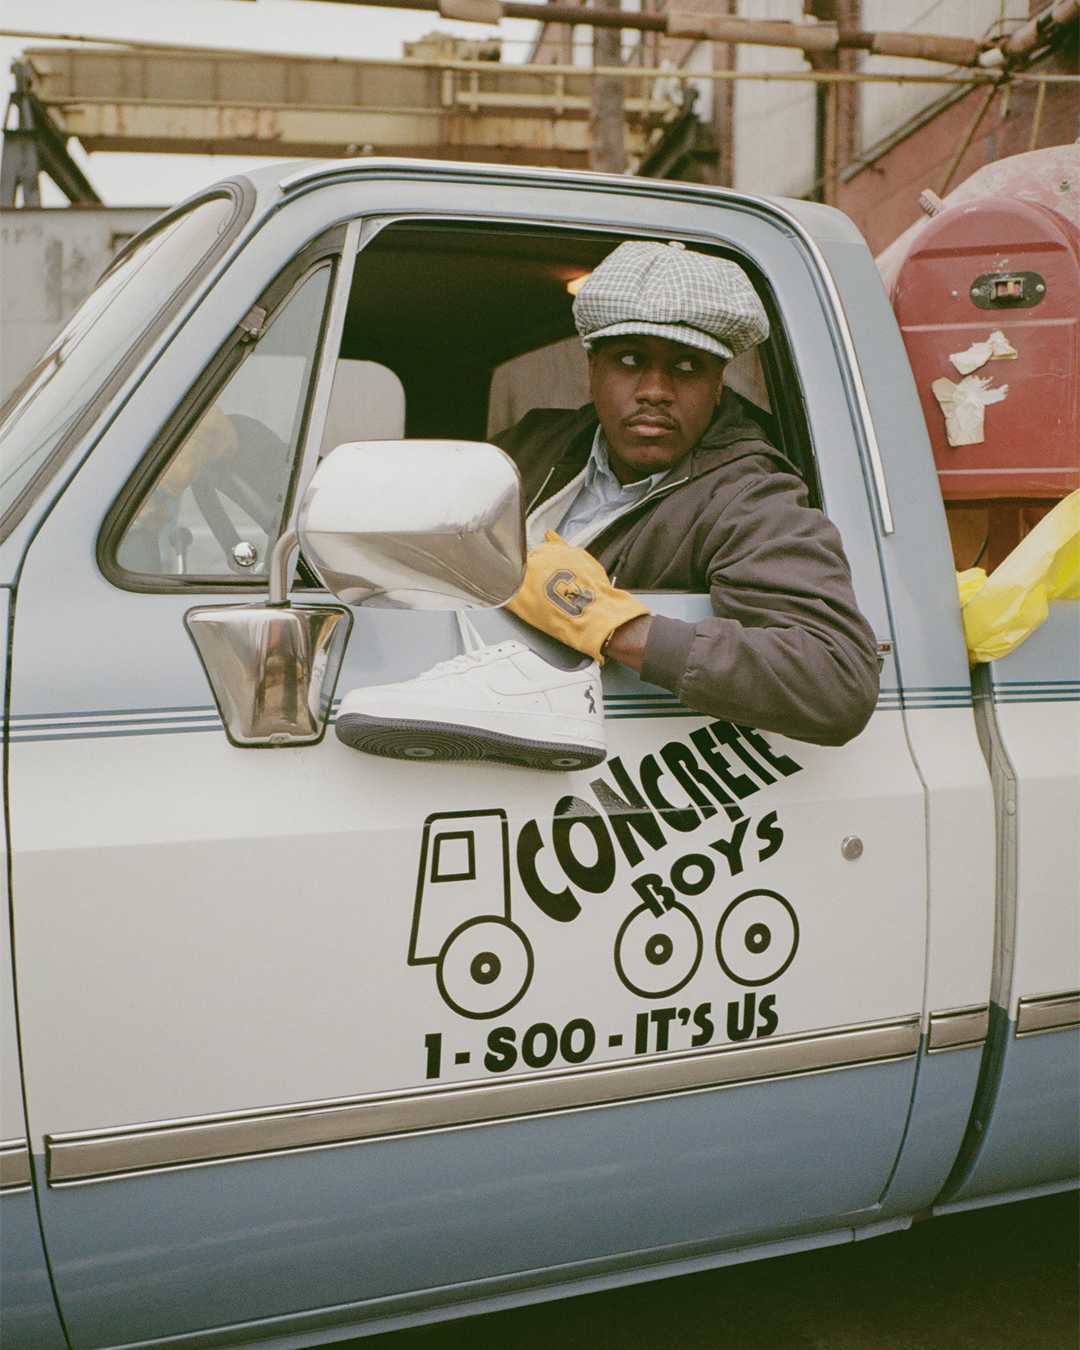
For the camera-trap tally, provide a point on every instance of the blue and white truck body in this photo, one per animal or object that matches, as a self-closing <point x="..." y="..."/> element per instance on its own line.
<point x="254" y="1087"/>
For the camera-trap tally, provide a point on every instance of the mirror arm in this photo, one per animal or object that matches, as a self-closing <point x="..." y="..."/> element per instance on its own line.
<point x="279" y="568"/>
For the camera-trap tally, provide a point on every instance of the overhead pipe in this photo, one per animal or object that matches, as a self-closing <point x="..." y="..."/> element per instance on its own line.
<point x="491" y="11"/>
<point x="816" y="38"/>
<point x="1039" y="31"/>
<point x="807" y="37"/>
<point x="823" y="37"/>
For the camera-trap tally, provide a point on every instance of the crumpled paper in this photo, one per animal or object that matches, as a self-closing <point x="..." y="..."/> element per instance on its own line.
<point x="964" y="406"/>
<point x="1002" y="610"/>
<point x="996" y="347"/>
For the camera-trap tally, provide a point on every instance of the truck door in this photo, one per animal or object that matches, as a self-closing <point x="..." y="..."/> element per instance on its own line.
<point x="308" y="1030"/>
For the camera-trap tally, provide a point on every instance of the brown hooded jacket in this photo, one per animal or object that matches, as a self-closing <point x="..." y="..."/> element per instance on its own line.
<point x="786" y="649"/>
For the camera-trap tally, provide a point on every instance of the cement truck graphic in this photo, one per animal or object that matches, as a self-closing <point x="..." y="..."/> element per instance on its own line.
<point x="484" y="963"/>
<point x="461" y="921"/>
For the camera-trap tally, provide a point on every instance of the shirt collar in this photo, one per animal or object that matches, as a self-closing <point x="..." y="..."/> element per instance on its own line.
<point x="599" y="467"/>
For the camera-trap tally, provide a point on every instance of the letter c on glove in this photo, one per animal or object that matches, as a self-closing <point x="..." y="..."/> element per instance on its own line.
<point x="564" y="590"/>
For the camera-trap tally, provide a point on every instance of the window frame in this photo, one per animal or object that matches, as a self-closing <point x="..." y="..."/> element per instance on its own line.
<point x="329" y="247"/>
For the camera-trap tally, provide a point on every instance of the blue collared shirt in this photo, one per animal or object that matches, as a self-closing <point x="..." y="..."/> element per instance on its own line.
<point x="601" y="497"/>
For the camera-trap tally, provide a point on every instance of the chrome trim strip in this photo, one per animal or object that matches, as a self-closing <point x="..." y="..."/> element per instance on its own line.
<point x="1049" y="1012"/>
<point x="954" y="1028"/>
<point x="102" y="1154"/>
<point x="333" y="168"/>
<point x="14" y="1164"/>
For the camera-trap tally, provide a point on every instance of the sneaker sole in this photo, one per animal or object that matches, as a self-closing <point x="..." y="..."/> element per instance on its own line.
<point x="434" y="742"/>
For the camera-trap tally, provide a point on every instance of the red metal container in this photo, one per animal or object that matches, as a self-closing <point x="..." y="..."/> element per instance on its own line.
<point x="999" y="263"/>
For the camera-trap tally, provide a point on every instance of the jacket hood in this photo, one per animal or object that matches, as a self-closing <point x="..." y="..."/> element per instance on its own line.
<point x="731" y="435"/>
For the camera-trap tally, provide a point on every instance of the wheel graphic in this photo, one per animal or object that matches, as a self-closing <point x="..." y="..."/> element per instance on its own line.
<point x="484" y="968"/>
<point x="757" y="937"/>
<point x="655" y="955"/>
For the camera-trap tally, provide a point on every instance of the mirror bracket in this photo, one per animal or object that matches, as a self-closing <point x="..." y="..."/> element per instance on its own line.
<point x="279" y="568"/>
<point x="272" y="667"/>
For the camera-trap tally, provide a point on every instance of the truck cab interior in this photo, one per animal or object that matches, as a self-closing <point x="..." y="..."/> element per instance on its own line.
<point x="473" y="324"/>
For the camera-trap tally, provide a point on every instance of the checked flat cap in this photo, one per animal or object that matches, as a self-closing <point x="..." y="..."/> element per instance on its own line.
<point x="669" y="291"/>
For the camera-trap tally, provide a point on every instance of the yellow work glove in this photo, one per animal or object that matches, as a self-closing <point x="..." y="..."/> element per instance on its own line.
<point x="566" y="593"/>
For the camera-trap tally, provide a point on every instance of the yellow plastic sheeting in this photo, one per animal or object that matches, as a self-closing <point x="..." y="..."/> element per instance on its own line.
<point x="970" y="582"/>
<point x="1001" y="610"/>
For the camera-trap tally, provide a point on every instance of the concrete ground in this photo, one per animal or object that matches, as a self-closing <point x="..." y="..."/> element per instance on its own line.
<point x="995" y="1279"/>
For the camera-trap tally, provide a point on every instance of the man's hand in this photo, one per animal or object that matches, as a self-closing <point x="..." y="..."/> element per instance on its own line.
<point x="566" y="593"/>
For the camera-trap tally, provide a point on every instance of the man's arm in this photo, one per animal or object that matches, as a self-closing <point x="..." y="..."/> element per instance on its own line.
<point x="787" y="649"/>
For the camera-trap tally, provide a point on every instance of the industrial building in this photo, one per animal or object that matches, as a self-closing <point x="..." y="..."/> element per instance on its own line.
<point x="718" y="91"/>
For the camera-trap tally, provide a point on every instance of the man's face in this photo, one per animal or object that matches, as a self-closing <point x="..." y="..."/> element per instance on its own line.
<point x="654" y="399"/>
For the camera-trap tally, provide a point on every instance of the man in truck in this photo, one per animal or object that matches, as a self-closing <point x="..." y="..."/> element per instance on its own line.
<point x="661" y="483"/>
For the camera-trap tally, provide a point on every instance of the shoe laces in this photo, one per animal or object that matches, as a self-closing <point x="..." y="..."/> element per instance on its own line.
<point x="467" y="661"/>
<point x="476" y="651"/>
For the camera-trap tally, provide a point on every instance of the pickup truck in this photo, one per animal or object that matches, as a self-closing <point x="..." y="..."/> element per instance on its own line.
<point x="302" y="1044"/>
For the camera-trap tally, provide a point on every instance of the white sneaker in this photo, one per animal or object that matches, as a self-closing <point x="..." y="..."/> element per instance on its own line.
<point x="501" y="703"/>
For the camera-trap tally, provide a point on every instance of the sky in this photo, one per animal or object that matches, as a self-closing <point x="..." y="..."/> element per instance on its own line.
<point x="302" y="27"/>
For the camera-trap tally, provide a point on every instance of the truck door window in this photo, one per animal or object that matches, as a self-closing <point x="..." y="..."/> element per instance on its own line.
<point x="216" y="506"/>
<point x="475" y="322"/>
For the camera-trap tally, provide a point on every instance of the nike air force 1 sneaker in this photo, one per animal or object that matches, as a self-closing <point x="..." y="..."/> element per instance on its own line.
<point x="501" y="703"/>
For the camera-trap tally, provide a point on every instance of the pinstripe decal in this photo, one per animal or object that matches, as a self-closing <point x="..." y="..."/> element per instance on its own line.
<point x="173" y="721"/>
<point x="1036" y="691"/>
<point x="111" y="723"/>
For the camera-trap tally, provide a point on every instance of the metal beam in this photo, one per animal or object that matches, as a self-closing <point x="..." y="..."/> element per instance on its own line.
<point x="179" y="129"/>
<point x="217" y="103"/>
<point x="36" y="145"/>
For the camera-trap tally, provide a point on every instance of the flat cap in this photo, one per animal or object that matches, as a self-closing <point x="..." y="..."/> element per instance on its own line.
<point x="669" y="291"/>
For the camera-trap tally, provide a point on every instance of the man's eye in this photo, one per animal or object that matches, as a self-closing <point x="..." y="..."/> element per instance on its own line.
<point x="688" y="366"/>
<point x="629" y="359"/>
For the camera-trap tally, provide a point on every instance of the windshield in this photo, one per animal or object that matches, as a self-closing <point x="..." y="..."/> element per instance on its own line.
<point x="103" y="330"/>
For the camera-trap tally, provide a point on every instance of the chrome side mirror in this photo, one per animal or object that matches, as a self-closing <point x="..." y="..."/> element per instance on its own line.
<point x="416" y="524"/>
<point x="272" y="667"/>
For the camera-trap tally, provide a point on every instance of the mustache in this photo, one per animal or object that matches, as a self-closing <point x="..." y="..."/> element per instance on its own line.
<point x="651" y="419"/>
